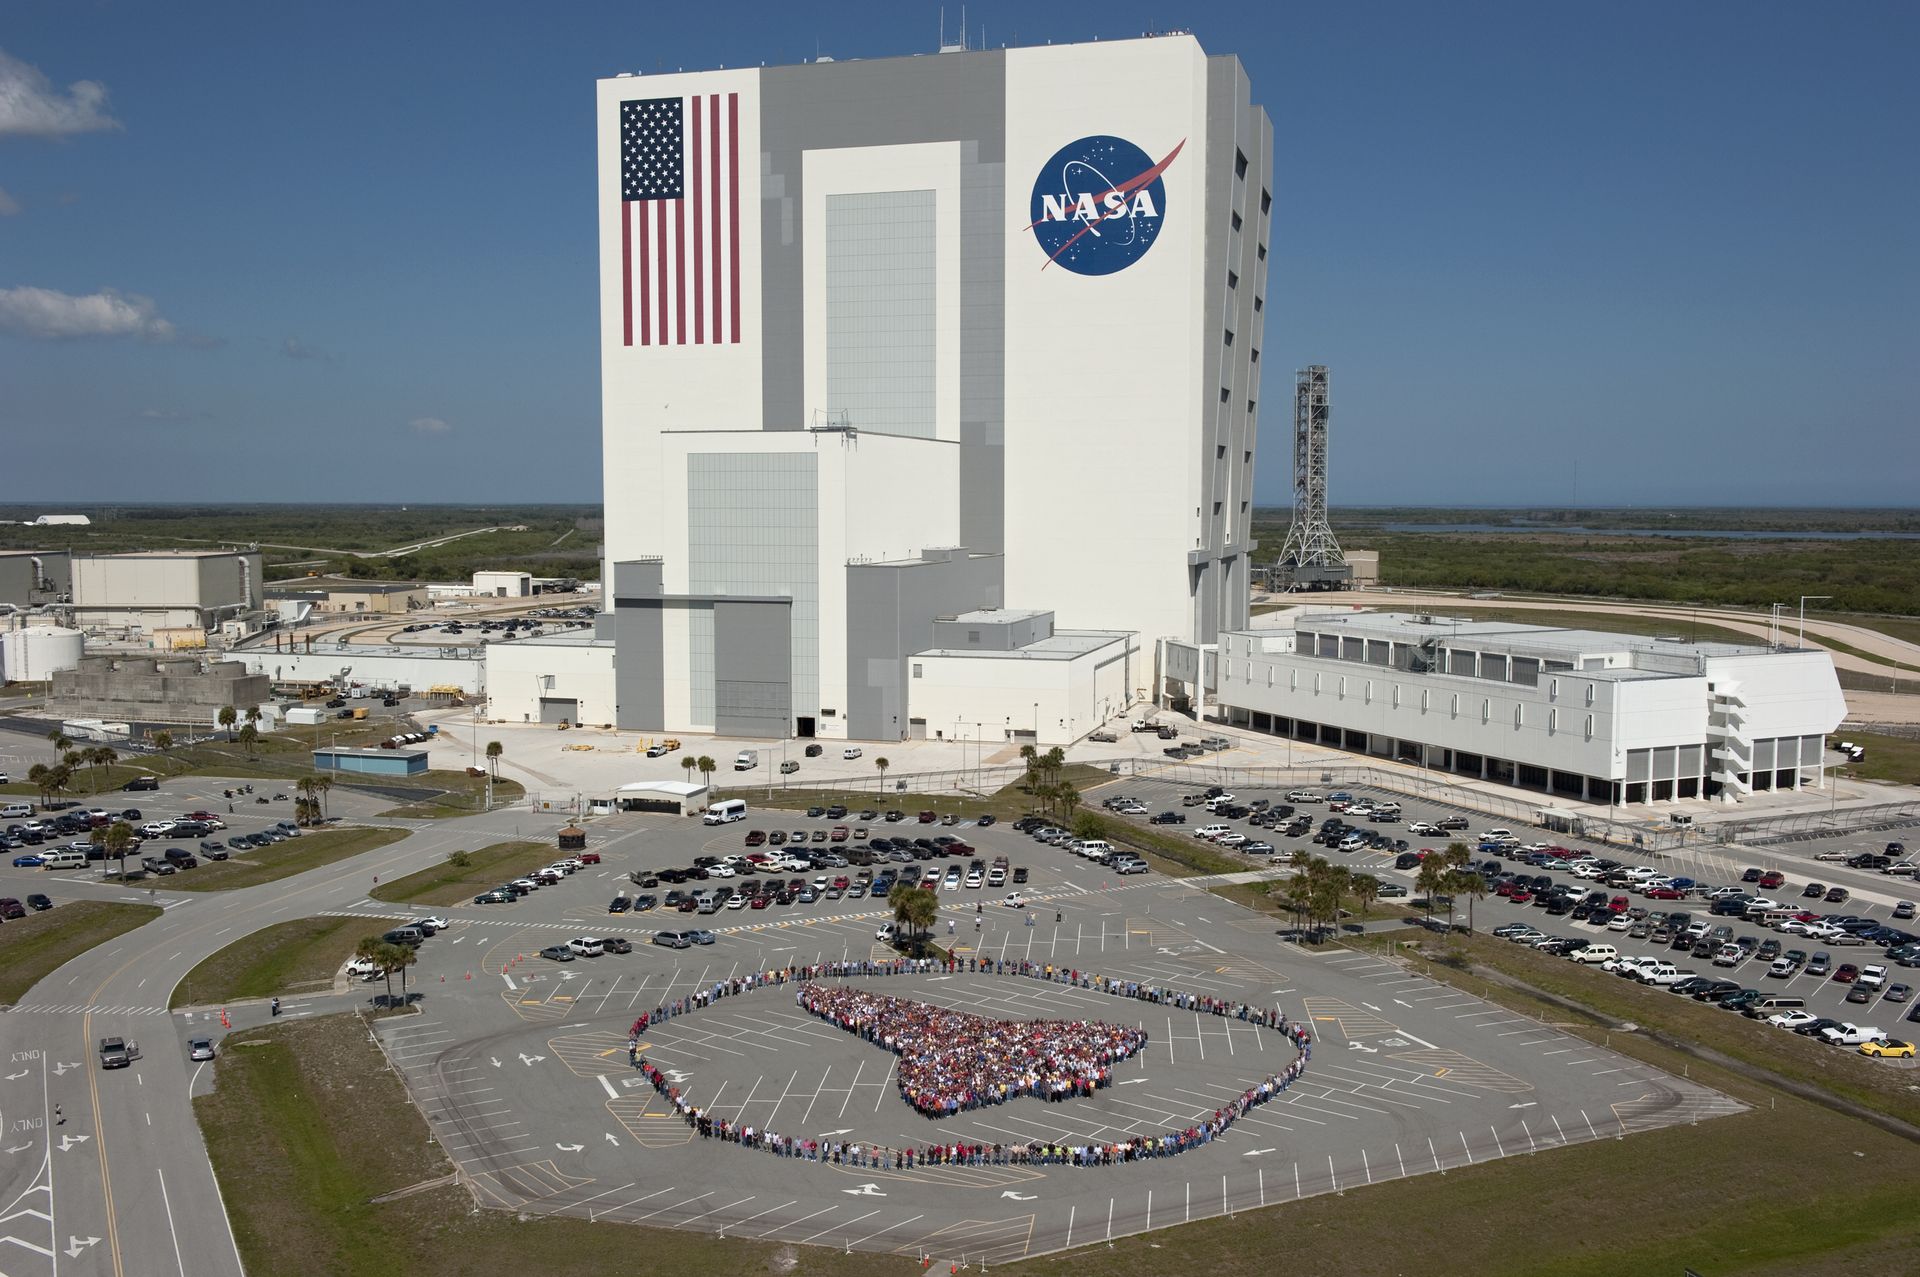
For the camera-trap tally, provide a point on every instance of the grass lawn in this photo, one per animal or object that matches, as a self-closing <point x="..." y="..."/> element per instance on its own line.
<point x="1893" y="758"/>
<point x="256" y="865"/>
<point x="461" y="795"/>
<point x="451" y="884"/>
<point x="287" y="755"/>
<point x="300" y="956"/>
<point x="1719" y="1197"/>
<point x="33" y="947"/>
<point x="1008" y="803"/>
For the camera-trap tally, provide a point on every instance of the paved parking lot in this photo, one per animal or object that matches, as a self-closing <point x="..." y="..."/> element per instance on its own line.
<point x="1872" y="895"/>
<point x="521" y="1064"/>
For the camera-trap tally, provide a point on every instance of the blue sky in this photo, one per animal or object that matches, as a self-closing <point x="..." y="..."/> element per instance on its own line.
<point x="1552" y="254"/>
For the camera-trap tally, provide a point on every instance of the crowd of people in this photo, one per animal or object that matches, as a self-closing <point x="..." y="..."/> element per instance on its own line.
<point x="951" y="1061"/>
<point x="880" y="1017"/>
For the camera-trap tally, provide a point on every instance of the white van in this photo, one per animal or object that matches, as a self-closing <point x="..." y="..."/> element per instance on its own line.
<point x="746" y="760"/>
<point x="16" y="810"/>
<point x="725" y="813"/>
<point x="1595" y="953"/>
<point x="1093" y="848"/>
<point x="63" y="860"/>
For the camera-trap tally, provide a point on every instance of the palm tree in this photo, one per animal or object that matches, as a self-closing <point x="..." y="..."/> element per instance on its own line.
<point x="61" y="743"/>
<point x="1068" y="797"/>
<point x="37" y="777"/>
<point x="325" y="785"/>
<point x="248" y="735"/>
<point x="1055" y="760"/>
<point x="253" y="713"/>
<point x="307" y="786"/>
<point x="707" y="768"/>
<point x="1366" y="890"/>
<point x="163" y="741"/>
<point x="689" y="764"/>
<point x="1432" y="877"/>
<point x="494" y="750"/>
<point x="882" y="764"/>
<point x="57" y="779"/>
<point x="913" y="906"/>
<point x="1031" y="757"/>
<point x="72" y="759"/>
<point x="106" y="756"/>
<point x="227" y="718"/>
<point x="118" y="841"/>
<point x="373" y="949"/>
<point x="402" y="957"/>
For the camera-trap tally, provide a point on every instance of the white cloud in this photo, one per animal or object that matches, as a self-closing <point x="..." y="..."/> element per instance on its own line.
<point x="47" y="315"/>
<point x="294" y="348"/>
<point x="30" y="106"/>
<point x="429" y="426"/>
<point x="8" y="205"/>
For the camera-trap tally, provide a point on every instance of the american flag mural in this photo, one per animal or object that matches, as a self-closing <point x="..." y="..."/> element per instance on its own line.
<point x="680" y="220"/>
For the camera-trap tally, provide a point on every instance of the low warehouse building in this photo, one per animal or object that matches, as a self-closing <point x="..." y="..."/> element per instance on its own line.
<point x="168" y="689"/>
<point x="564" y="678"/>
<point x="678" y="797"/>
<point x="1592" y="716"/>
<point x="503" y="585"/>
<point x="371" y="762"/>
<point x="165" y="589"/>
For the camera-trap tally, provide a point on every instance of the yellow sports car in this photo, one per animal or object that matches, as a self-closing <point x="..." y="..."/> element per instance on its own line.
<point x="1891" y="1049"/>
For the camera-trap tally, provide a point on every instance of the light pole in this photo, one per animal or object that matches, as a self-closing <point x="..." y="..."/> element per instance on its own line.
<point x="1803" y="616"/>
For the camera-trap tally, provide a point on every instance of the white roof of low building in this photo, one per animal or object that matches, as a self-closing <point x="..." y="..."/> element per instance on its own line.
<point x="678" y="788"/>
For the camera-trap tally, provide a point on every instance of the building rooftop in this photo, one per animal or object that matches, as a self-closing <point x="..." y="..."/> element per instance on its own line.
<point x="168" y="554"/>
<point x="1548" y="640"/>
<point x="346" y="751"/>
<point x="1063" y="645"/>
<point x="999" y="615"/>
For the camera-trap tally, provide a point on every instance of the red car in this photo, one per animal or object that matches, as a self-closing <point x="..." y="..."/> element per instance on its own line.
<point x="758" y="902"/>
<point x="838" y="833"/>
<point x="589" y="857"/>
<point x="1772" y="879"/>
<point x="1504" y="890"/>
<point x="928" y="817"/>
<point x="1846" y="973"/>
<point x="756" y="838"/>
<point x="1665" y="893"/>
<point x="1618" y="904"/>
<point x="1520" y="896"/>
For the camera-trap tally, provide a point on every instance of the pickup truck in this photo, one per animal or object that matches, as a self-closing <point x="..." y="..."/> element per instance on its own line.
<point x="1848" y="1034"/>
<point x="118" y="1053"/>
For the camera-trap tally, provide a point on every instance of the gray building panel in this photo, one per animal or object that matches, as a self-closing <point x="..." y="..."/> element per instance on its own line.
<point x="891" y="610"/>
<point x="29" y="578"/>
<point x="889" y="102"/>
<point x="639" y="666"/>
<point x="753" y="669"/>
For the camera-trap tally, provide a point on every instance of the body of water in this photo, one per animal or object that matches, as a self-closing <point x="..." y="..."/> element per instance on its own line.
<point x="1725" y="534"/>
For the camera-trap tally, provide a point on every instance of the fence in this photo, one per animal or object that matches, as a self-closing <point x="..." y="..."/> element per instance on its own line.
<point x="1802" y="826"/>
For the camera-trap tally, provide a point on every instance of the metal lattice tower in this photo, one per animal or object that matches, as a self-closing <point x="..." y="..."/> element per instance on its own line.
<point x="1310" y="542"/>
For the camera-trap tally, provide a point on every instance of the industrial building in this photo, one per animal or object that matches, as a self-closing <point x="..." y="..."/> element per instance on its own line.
<point x="327" y="595"/>
<point x="371" y="762"/>
<point x="886" y="343"/>
<point x="176" y="689"/>
<point x="504" y="585"/>
<point x="1590" y="716"/>
<point x="143" y="592"/>
<point x="35" y="578"/>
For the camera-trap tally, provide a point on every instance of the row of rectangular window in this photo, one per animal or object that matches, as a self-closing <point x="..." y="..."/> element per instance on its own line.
<point x="1486" y="703"/>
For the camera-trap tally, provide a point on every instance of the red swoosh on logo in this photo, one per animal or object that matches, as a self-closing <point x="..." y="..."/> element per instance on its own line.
<point x="1125" y="188"/>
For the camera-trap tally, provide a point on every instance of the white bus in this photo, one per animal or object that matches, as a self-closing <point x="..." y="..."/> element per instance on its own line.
<point x="722" y="813"/>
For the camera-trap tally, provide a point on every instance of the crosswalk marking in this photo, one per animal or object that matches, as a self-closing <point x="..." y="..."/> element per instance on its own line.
<point x="81" y="1008"/>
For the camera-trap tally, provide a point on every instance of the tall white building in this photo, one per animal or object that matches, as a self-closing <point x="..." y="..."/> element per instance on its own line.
<point x="884" y="342"/>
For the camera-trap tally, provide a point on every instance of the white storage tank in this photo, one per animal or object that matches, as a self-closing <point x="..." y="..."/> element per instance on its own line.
<point x="33" y="654"/>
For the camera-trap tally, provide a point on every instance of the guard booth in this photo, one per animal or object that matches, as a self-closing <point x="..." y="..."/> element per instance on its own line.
<point x="573" y="838"/>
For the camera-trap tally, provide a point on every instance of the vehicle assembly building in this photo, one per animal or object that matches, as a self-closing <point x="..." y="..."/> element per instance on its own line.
<point x="886" y="344"/>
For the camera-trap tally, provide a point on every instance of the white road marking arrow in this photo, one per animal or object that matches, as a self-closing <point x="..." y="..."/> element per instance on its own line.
<point x="58" y="1069"/>
<point x="1529" y="1104"/>
<point x="677" y="1077"/>
<point x="15" y="1148"/>
<point x="530" y="1060"/>
<point x="1355" y="1046"/>
<point x="865" y="1190"/>
<point x="569" y="1148"/>
<point x="845" y="1130"/>
<point x="14" y="1077"/>
<point x="1132" y="1081"/>
<point x="1256" y="1152"/>
<point x="1019" y="1197"/>
<point x="1369" y="1006"/>
<point x="494" y="1062"/>
<point x="72" y="1141"/>
<point x="611" y="1140"/>
<point x="77" y="1244"/>
<point x="1407" y="1005"/>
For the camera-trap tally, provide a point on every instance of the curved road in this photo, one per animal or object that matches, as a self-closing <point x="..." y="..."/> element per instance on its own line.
<point x="104" y="1172"/>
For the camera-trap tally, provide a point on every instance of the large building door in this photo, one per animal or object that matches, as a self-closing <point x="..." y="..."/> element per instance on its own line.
<point x="555" y="710"/>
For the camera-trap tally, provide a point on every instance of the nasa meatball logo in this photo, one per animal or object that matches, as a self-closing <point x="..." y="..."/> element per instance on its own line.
<point x="1099" y="204"/>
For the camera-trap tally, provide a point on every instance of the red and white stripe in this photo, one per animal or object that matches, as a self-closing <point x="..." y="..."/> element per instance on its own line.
<point x="681" y="258"/>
